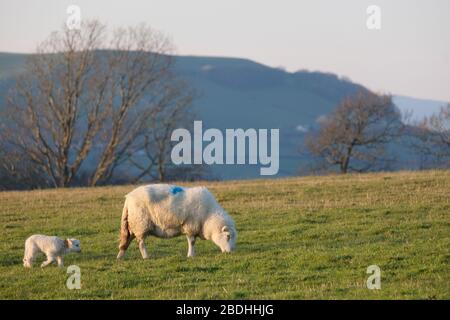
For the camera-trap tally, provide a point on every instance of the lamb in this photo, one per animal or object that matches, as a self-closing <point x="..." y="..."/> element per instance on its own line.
<point x="167" y="211"/>
<point x="53" y="247"/>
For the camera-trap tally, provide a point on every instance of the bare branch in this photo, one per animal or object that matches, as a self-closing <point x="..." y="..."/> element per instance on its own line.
<point x="354" y="135"/>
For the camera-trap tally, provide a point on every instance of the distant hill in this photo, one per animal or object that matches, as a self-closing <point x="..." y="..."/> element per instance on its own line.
<point x="11" y="64"/>
<point x="240" y="93"/>
<point x="420" y="108"/>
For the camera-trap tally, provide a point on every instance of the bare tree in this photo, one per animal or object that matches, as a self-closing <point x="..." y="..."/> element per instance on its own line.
<point x="431" y="138"/>
<point x="84" y="96"/>
<point x="17" y="172"/>
<point x="151" y="153"/>
<point x="353" y="137"/>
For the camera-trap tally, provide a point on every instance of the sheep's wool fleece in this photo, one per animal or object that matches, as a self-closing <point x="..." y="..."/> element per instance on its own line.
<point x="169" y="210"/>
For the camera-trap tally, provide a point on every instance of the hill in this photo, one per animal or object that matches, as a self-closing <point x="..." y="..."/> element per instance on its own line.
<point x="299" y="238"/>
<point x="240" y="93"/>
<point x="420" y="108"/>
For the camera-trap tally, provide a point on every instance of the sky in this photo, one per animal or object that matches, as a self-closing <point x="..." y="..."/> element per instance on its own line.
<point x="409" y="55"/>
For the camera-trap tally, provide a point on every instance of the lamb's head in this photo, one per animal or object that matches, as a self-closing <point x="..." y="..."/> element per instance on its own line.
<point x="73" y="245"/>
<point x="225" y="236"/>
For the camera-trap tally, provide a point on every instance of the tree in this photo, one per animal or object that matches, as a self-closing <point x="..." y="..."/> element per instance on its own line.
<point x="19" y="173"/>
<point x="83" y="97"/>
<point x="353" y="137"/>
<point x="151" y="156"/>
<point x="431" y="138"/>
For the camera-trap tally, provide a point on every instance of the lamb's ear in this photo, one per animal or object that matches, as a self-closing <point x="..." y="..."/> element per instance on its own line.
<point x="67" y="243"/>
<point x="225" y="229"/>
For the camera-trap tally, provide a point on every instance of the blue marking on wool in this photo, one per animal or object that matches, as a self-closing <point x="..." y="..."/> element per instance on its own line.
<point x="176" y="190"/>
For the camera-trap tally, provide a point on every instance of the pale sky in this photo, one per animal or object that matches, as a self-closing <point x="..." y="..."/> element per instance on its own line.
<point x="410" y="55"/>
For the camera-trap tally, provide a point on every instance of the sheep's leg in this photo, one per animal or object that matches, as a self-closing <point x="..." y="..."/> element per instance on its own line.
<point x="191" y="243"/>
<point x="142" y="248"/>
<point x="50" y="259"/>
<point x="124" y="244"/>
<point x="60" y="261"/>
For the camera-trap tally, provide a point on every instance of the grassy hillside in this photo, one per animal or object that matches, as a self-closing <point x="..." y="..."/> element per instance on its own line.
<point x="298" y="238"/>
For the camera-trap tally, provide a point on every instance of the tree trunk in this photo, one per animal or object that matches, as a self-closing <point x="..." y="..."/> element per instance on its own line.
<point x="344" y="164"/>
<point x="161" y="172"/>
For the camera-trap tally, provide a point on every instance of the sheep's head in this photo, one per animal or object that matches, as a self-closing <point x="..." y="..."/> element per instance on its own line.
<point x="225" y="238"/>
<point x="26" y="263"/>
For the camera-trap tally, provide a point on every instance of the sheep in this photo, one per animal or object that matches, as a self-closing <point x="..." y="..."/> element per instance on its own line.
<point x="53" y="247"/>
<point x="167" y="211"/>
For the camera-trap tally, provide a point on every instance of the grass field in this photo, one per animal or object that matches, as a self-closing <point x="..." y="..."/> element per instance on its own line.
<point x="299" y="238"/>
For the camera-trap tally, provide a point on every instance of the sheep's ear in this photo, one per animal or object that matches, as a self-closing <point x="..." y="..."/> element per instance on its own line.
<point x="67" y="243"/>
<point x="225" y="229"/>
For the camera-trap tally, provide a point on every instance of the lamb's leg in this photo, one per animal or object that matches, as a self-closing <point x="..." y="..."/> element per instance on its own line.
<point x="142" y="248"/>
<point x="60" y="261"/>
<point x="191" y="243"/>
<point x="50" y="259"/>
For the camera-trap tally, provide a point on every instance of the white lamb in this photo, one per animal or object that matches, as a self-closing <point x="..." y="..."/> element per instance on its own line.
<point x="166" y="211"/>
<point x="53" y="247"/>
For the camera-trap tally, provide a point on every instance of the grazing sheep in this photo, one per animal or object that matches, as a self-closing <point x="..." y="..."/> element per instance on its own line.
<point x="166" y="211"/>
<point x="53" y="247"/>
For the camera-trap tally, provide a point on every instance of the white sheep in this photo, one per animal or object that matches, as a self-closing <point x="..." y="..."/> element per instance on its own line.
<point x="167" y="211"/>
<point x="53" y="247"/>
